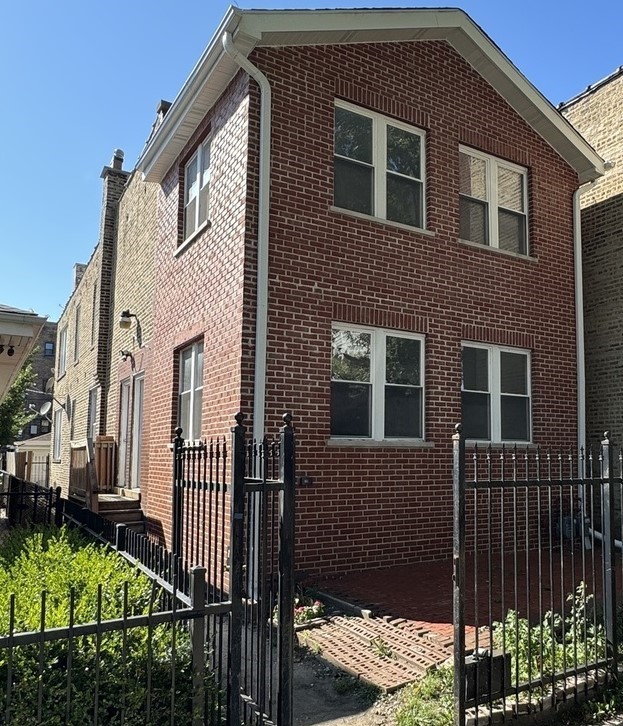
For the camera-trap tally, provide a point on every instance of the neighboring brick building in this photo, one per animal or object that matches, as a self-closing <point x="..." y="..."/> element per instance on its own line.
<point x="597" y="113"/>
<point x="83" y="340"/>
<point x="43" y="365"/>
<point x="413" y="227"/>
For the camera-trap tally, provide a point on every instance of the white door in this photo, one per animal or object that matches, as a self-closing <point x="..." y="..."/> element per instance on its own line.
<point x="137" y="433"/>
<point x="124" y="420"/>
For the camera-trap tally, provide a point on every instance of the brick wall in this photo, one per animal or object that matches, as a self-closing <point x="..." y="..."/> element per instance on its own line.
<point x="376" y="505"/>
<point x="88" y="341"/>
<point x="598" y="116"/>
<point x="199" y="293"/>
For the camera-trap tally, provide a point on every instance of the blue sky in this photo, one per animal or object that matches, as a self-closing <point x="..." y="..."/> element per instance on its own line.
<point x="79" y="79"/>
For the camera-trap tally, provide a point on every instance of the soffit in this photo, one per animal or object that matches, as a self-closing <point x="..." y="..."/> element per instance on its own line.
<point x="19" y="329"/>
<point x="251" y="29"/>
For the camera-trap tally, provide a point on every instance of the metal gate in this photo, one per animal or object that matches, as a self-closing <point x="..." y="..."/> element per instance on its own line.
<point x="534" y="579"/>
<point x="233" y="513"/>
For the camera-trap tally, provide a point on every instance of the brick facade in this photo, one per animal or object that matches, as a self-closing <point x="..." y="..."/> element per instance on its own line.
<point x="86" y="320"/>
<point x="598" y="116"/>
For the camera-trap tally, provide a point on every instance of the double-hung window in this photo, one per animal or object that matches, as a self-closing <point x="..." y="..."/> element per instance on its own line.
<point x="377" y="389"/>
<point x="62" y="352"/>
<point x="58" y="434"/>
<point x="378" y="166"/>
<point x="197" y="189"/>
<point x="191" y="390"/>
<point x="496" y="393"/>
<point x="493" y="202"/>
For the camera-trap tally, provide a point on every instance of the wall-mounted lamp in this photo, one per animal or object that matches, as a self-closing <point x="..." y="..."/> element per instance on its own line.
<point x="125" y="323"/>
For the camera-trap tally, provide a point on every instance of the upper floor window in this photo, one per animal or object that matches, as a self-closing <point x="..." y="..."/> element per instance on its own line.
<point x="493" y="202"/>
<point x="77" y="334"/>
<point x="62" y="352"/>
<point x="496" y="393"/>
<point x="378" y="166"/>
<point x="197" y="189"/>
<point x="191" y="390"/>
<point x="48" y="349"/>
<point x="58" y="434"/>
<point x="376" y="384"/>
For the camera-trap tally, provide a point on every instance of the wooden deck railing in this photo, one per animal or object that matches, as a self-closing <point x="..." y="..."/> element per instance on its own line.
<point x="91" y="470"/>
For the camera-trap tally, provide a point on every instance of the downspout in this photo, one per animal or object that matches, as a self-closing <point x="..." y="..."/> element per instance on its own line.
<point x="261" y="325"/>
<point x="579" y="319"/>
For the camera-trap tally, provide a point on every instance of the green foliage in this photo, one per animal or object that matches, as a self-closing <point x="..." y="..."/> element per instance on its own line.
<point x="555" y="643"/>
<point x="13" y="413"/>
<point x="125" y="671"/>
<point x="428" y="702"/>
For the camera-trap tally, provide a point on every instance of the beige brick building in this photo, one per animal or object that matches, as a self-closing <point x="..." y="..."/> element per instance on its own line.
<point x="597" y="113"/>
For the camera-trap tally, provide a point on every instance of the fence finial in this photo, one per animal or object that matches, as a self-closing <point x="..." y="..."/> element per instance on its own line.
<point x="239" y="418"/>
<point x="458" y="429"/>
<point x="287" y="418"/>
<point x="178" y="432"/>
<point x="606" y="436"/>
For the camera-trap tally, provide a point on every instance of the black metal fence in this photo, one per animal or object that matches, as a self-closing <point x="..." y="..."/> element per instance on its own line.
<point x="535" y="538"/>
<point x="243" y="534"/>
<point x="229" y="583"/>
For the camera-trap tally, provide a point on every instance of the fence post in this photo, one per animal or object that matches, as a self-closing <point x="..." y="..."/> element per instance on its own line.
<point x="121" y="531"/>
<point x="235" y="567"/>
<point x="285" y="637"/>
<point x="608" y="506"/>
<point x="177" y="494"/>
<point x="458" y="577"/>
<point x="59" y="506"/>
<point x="198" y="639"/>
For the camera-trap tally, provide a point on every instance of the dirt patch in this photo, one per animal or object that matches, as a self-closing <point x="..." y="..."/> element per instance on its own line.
<point x="325" y="696"/>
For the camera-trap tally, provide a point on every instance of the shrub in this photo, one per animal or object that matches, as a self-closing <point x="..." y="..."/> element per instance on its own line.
<point x="128" y="672"/>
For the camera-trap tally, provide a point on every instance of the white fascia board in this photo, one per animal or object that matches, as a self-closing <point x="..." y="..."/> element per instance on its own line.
<point x="270" y="28"/>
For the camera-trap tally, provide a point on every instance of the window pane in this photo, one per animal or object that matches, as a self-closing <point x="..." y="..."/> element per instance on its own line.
<point x="475" y="369"/>
<point x="512" y="231"/>
<point x="190" y="213"/>
<point x="186" y="370"/>
<point x="403" y="152"/>
<point x="402" y="361"/>
<point x="472" y="176"/>
<point x="514" y="373"/>
<point x="515" y="418"/>
<point x="350" y="355"/>
<point x="403" y="412"/>
<point x="199" y="365"/>
<point x="353" y="135"/>
<point x="352" y="186"/>
<point x="475" y="415"/>
<point x="350" y="409"/>
<point x="203" y="204"/>
<point x="184" y="417"/>
<point x="205" y="163"/>
<point x="191" y="179"/>
<point x="196" y="432"/>
<point x="473" y="221"/>
<point x="510" y="189"/>
<point x="404" y="200"/>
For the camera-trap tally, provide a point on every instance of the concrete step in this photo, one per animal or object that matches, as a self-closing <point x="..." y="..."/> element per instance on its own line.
<point x="109" y="502"/>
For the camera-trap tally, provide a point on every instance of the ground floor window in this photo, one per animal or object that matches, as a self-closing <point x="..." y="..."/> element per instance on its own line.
<point x="377" y="384"/>
<point x="58" y="432"/>
<point x="190" y="390"/>
<point x="496" y="393"/>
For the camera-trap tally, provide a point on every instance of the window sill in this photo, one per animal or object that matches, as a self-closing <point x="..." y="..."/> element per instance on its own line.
<point x="62" y="375"/>
<point x="188" y="242"/>
<point x="57" y="461"/>
<point x="381" y="220"/>
<point x="385" y="443"/>
<point x="497" y="250"/>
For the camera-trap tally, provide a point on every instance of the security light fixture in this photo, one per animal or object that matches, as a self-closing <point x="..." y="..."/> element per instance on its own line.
<point x="11" y="351"/>
<point x="125" y="319"/>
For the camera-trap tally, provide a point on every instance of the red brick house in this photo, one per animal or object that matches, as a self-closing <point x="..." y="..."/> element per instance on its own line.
<point x="367" y="218"/>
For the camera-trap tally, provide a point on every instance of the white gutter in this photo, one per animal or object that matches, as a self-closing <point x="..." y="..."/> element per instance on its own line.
<point x="261" y="323"/>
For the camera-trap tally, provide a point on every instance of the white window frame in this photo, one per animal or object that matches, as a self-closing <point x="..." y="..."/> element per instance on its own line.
<point x="199" y="155"/>
<point x="92" y="422"/>
<point x="46" y="348"/>
<point x="495" y="392"/>
<point x="379" y="161"/>
<point x="62" y="352"/>
<point x="492" y="164"/>
<point x="188" y="431"/>
<point x="58" y="434"/>
<point x="378" y="381"/>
